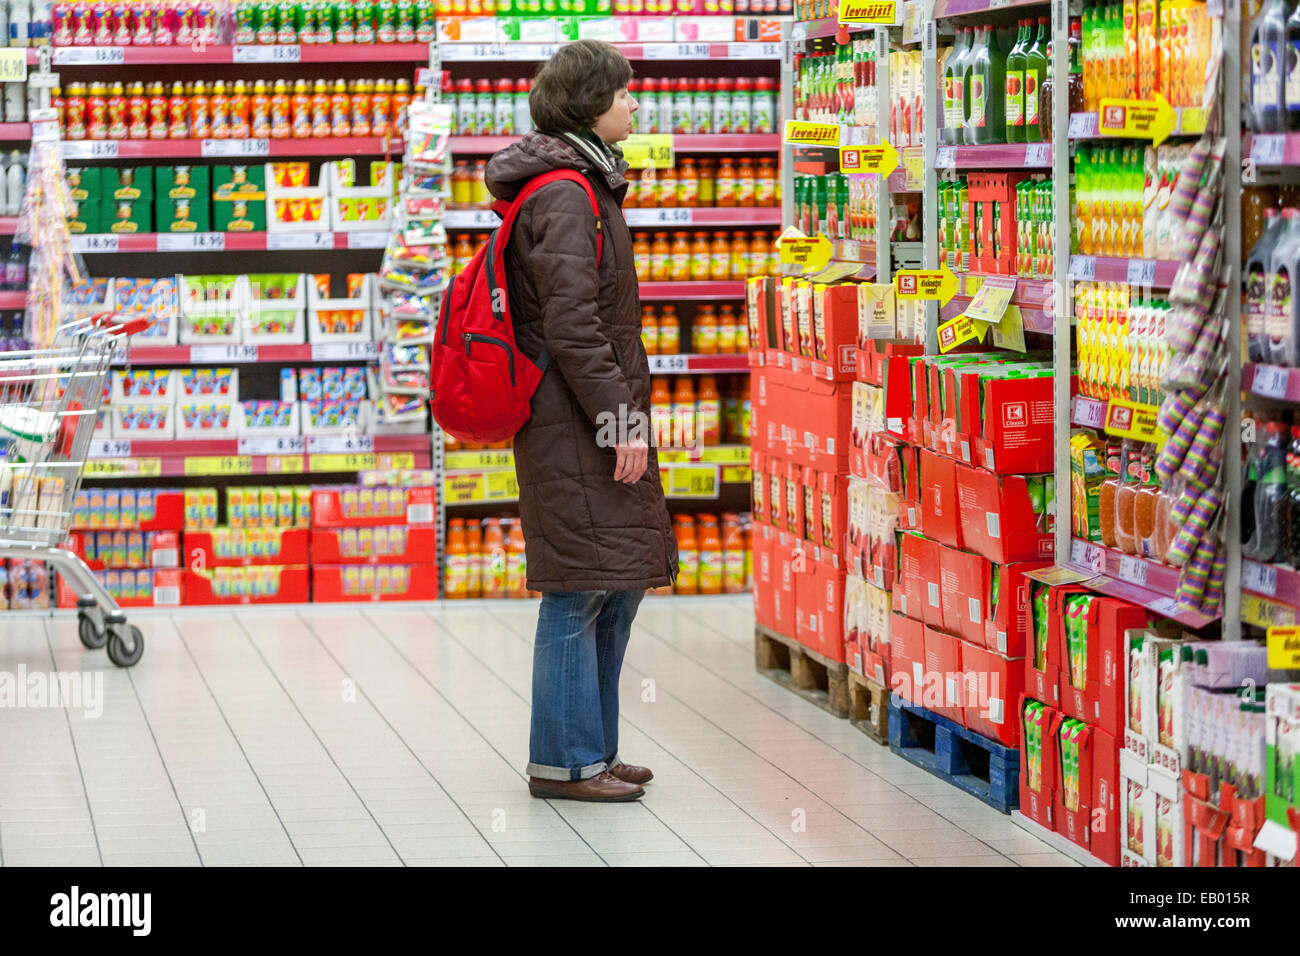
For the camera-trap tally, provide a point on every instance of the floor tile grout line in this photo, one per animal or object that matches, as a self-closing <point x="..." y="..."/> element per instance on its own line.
<point x="308" y="724"/>
<point x="396" y="732"/>
<point x="701" y="776"/>
<point x="180" y="804"/>
<point x="180" y="634"/>
<point x="648" y="808"/>
<point x="72" y="738"/>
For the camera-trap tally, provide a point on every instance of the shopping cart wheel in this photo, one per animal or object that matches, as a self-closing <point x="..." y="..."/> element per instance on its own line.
<point x="91" y="634"/>
<point x="125" y="644"/>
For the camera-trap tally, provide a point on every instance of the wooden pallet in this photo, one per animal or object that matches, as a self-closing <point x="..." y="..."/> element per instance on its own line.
<point x="869" y="707"/>
<point x="813" y="677"/>
<point x="971" y="762"/>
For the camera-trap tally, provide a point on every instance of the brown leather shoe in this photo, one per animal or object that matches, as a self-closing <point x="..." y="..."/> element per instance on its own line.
<point x="631" y="774"/>
<point x="602" y="788"/>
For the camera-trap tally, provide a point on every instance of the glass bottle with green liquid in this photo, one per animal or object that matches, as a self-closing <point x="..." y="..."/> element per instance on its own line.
<point x="1014" y="98"/>
<point x="1036" y="73"/>
<point x="988" y="80"/>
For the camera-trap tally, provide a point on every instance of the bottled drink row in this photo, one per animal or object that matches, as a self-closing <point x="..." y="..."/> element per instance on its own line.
<point x="682" y="414"/>
<point x="714" y="330"/>
<point x="1270" y="304"/>
<point x="697" y="257"/>
<point x="1273" y="497"/>
<point x="838" y="84"/>
<point x="724" y="183"/>
<point x="705" y="105"/>
<point x="1274" y="70"/>
<point x="993" y="93"/>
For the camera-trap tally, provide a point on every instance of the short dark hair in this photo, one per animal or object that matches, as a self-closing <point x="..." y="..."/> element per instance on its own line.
<point x="576" y="85"/>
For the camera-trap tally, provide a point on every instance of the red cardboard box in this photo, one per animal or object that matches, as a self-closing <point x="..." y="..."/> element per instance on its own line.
<point x="835" y="332"/>
<point x="347" y="507"/>
<point x="822" y="417"/>
<point x="821" y="605"/>
<point x="1038" y="804"/>
<point x="993" y="683"/>
<point x="873" y="353"/>
<point x="776" y="469"/>
<point x="783" y="594"/>
<point x="1010" y="630"/>
<point x="909" y="505"/>
<point x="932" y="586"/>
<point x="760" y="312"/>
<point x="1101" y="701"/>
<point x="804" y="570"/>
<point x="291" y="583"/>
<point x="943" y="682"/>
<point x="909" y="592"/>
<point x="833" y="520"/>
<point x="1095" y="823"/>
<point x="963" y="585"/>
<point x="810" y="502"/>
<point x="793" y="499"/>
<point x="294" y="547"/>
<point x="900" y="414"/>
<point x="997" y="517"/>
<point x="939" y="518"/>
<point x="765" y="571"/>
<point x="907" y="657"/>
<point x="758" y="480"/>
<point x="1017" y="427"/>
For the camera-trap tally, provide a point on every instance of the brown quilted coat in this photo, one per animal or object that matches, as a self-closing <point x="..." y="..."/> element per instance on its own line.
<point x="584" y="530"/>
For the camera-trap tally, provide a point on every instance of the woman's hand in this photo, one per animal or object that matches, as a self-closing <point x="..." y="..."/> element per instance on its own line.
<point x="632" y="458"/>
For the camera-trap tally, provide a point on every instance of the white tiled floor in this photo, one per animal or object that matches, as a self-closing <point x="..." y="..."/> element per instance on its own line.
<point x="398" y="736"/>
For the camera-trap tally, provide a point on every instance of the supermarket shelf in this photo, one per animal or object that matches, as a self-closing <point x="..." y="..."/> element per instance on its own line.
<point x="1053" y="839"/>
<point x="1156" y="273"/>
<point x="538" y="52"/>
<point x="699" y="364"/>
<point x="229" y="148"/>
<point x="825" y="27"/>
<point x="962" y="8"/>
<point x="279" y="54"/>
<point x="682" y="143"/>
<point x="503" y="458"/>
<point x="251" y="354"/>
<point x="1271" y="581"/>
<point x="1035" y="319"/>
<point x="1190" y="122"/>
<point x="1008" y="156"/>
<point x="8" y="225"/>
<point x="1271" y="382"/>
<point x="230" y="241"/>
<point x="13" y="132"/>
<point x="13" y="300"/>
<point x="672" y="291"/>
<point x="1029" y="292"/>
<point x="641" y="218"/>
<point x="1148" y="583"/>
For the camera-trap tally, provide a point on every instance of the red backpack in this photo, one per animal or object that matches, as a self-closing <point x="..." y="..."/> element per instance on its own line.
<point x="481" y="382"/>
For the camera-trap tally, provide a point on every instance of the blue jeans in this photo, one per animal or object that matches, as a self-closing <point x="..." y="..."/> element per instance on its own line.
<point x="577" y="657"/>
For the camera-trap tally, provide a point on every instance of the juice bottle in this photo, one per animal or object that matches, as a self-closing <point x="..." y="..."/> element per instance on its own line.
<point x="290" y="115"/>
<point x="269" y="115"/>
<point x="380" y="110"/>
<point x="719" y="268"/>
<point x="954" y="83"/>
<point x="733" y="555"/>
<point x="688" y="185"/>
<point x="494" y="560"/>
<point x="219" y="106"/>
<point x="1014" y="96"/>
<point x="727" y="330"/>
<point x="398" y="104"/>
<point x="1279" y="313"/>
<point x="710" y="545"/>
<point x="178" y="113"/>
<point x="460" y="185"/>
<point x="157" y="113"/>
<point x="74" y="111"/>
<point x="137" y="112"/>
<point x="988" y="88"/>
<point x="240" y="127"/>
<point x="649" y="330"/>
<point x="660" y="258"/>
<point x="688" y="555"/>
<point x="117" y="119"/>
<point x="708" y="412"/>
<point x="200" y="112"/>
<point x="299" y="110"/>
<point x="359" y="108"/>
<point x="661" y="411"/>
<point x="1254" y="296"/>
<point x="708" y="182"/>
<point x="97" y="112"/>
<point x="721" y="114"/>
<point x="745" y="183"/>
<point x="1268" y="72"/>
<point x="456" y="576"/>
<point x="516" y="562"/>
<point x="765" y="185"/>
<point x="680" y="270"/>
<point x="684" y="413"/>
<point x="641" y="256"/>
<point x="699" y="264"/>
<point x="667" y="188"/>
<point x="340" y="113"/>
<point x="726" y="183"/>
<point x="474" y="559"/>
<point x="670" y="331"/>
<point x="705" y="327"/>
<point x="739" y="258"/>
<point x="1036" y="66"/>
<point x="647" y="188"/>
<point x="320" y="110"/>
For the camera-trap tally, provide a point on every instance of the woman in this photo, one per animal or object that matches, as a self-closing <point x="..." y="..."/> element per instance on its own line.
<point x="592" y="507"/>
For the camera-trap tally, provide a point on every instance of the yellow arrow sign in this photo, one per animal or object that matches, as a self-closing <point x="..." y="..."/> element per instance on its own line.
<point x="869" y="11"/>
<point x="939" y="285"/>
<point x="1284" y="648"/>
<point x="882" y="159"/>
<point x="809" y="254"/>
<point x="959" y="330"/>
<point x="812" y="134"/>
<point x="1137" y="119"/>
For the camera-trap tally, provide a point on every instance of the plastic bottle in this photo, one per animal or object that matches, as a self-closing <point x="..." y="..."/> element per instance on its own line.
<point x="954" y="97"/>
<point x="178" y="113"/>
<point x="763" y="111"/>
<point x="359" y="108"/>
<point x="157" y="111"/>
<point x="683" y="102"/>
<point x="340" y="110"/>
<point x="670" y="331"/>
<point x="666" y="189"/>
<point x="1045" y="113"/>
<point x="269" y="116"/>
<point x="1279" y="312"/>
<point x="688" y="185"/>
<point x="649" y="330"/>
<point x="1291" y="82"/>
<point x="299" y="109"/>
<point x="664" y="124"/>
<point x="661" y="411"/>
<point x="200" y="112"/>
<point x="727" y="328"/>
<point x="702" y="105"/>
<point x="708" y="173"/>
<point x="96" y="111"/>
<point x="738" y="267"/>
<point x="641" y="255"/>
<point x="381" y="102"/>
<point x="688" y="555"/>
<point x="20" y="15"/>
<point x="725" y="185"/>
<point x="117" y="120"/>
<point x="1254" y="296"/>
<point x="683" y="435"/>
<point x="320" y="110"/>
<point x="473" y="560"/>
<point x="765" y="183"/>
<point x="1270" y="494"/>
<point x="1014" y="95"/>
<point x="733" y="555"/>
<point x="722" y="101"/>
<point x="700" y="259"/>
<point x="742" y="106"/>
<point x="719" y="264"/>
<point x="711" y="560"/>
<point x="708" y="412"/>
<point x="1268" y="74"/>
<point x="746" y="183"/>
<point x="660" y="258"/>
<point x="457" y="572"/>
<point x="494" y="560"/>
<point x="516" y="562"/>
<point x="680" y="268"/>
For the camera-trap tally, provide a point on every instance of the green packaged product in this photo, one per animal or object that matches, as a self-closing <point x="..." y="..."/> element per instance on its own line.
<point x="364" y="15"/>
<point x="344" y="18"/>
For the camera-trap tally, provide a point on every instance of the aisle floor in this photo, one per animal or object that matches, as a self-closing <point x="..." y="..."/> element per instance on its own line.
<point x="377" y="736"/>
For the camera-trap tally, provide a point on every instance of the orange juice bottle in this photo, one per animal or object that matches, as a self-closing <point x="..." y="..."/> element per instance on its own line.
<point x="456" y="576"/>
<point x="765" y="185"/>
<point x="200" y="112"/>
<point x="474" y="559"/>
<point x="680" y="270"/>
<point x="667" y="195"/>
<point x="632" y="199"/>
<point x="727" y="330"/>
<point x="380" y="105"/>
<point x="660" y="258"/>
<point x="240" y="127"/>
<point x="340" y="110"/>
<point x="700" y="257"/>
<point x="641" y="255"/>
<point x="494" y="559"/>
<point x="748" y="530"/>
<point x="157" y="111"/>
<point x="462" y="253"/>
<point x="684" y="413"/>
<point x="649" y="330"/>
<point x="219" y="108"/>
<point x="178" y="113"/>
<point x="117" y="127"/>
<point x="137" y="112"/>
<point x="708" y="182"/>
<point x="704" y="337"/>
<point x="725" y="184"/>
<point x="320" y="110"/>
<point x="97" y="112"/>
<point x="661" y="411"/>
<point x="360" y="108"/>
<point x="733" y="555"/>
<point x="708" y="412"/>
<point x="688" y="555"/>
<point x="647" y="189"/>
<point x="739" y="264"/>
<point x="710" y="544"/>
<point x="401" y="99"/>
<point x="670" y="331"/>
<point x="279" y="110"/>
<point x="688" y="185"/>
<point x="746" y="183"/>
<point x="299" y="110"/>
<point x="720" y="258"/>
<point x="516" y="562"/>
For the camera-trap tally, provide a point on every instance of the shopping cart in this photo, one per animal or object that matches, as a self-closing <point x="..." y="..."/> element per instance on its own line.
<point x="49" y="401"/>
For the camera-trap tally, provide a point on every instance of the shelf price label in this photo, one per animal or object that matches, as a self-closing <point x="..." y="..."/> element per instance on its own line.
<point x="270" y="53"/>
<point x="110" y="448"/>
<point x="663" y="364"/>
<point x="881" y="159"/>
<point x="676" y="216"/>
<point x="808" y="254"/>
<point x="90" y="149"/>
<point x="89" y="56"/>
<point x="271" y="446"/>
<point x="501" y="485"/>
<point x="1284" y="648"/>
<point x="1137" y="119"/>
<point x="344" y="351"/>
<point x="339" y="445"/>
<point x="1088" y="412"/>
<point x="285" y="465"/>
<point x="736" y="474"/>
<point x="726" y="454"/>
<point x="754" y="51"/>
<point x="368" y="239"/>
<point x="798" y="133"/>
<point x="945" y="157"/>
<point x="479" y="219"/>
<point x="192" y="242"/>
<point x="869" y="11"/>
<point x="1083" y="268"/>
<point x="277" y="241"/>
<point x="1131" y="420"/>
<point x="938" y="285"/>
<point x="1141" y="272"/>
<point x="13" y="64"/>
<point x="690" y="481"/>
<point x="1133" y="570"/>
<point x="326" y="463"/>
<point x="1259" y="578"/>
<point x="96" y="242"/>
<point x="219" y="354"/>
<point x="216" y="465"/>
<point x="487" y="51"/>
<point x="1268" y="149"/>
<point x="1262" y="612"/>
<point x="1083" y="125"/>
<point x="212" y="148"/>
<point x="476" y="460"/>
<point x="1270" y="382"/>
<point x="1038" y="154"/>
<point x="123" y="468"/>
<point x="649" y="150"/>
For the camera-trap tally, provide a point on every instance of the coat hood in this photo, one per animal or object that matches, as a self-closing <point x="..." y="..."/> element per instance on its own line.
<point x="537" y="153"/>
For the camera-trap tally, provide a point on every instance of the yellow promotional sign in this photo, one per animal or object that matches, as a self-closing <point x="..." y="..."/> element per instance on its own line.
<point x="959" y="330"/>
<point x="1284" y="648"/>
<point x="812" y="134"/>
<point x="939" y="285"/>
<point x="219" y="465"/>
<point x="13" y="65"/>
<point x="809" y="254"/>
<point x="1137" y="119"/>
<point x="726" y="454"/>
<point x="882" y="159"/>
<point x="1131" y="420"/>
<point x="649" y="150"/>
<point x="1260" y="611"/>
<point x="502" y="486"/>
<point x="123" y="468"/>
<point x="461" y="489"/>
<point x="869" y="11"/>
<point x="348" y="462"/>
<point x="690" y="481"/>
<point x="284" y="465"/>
